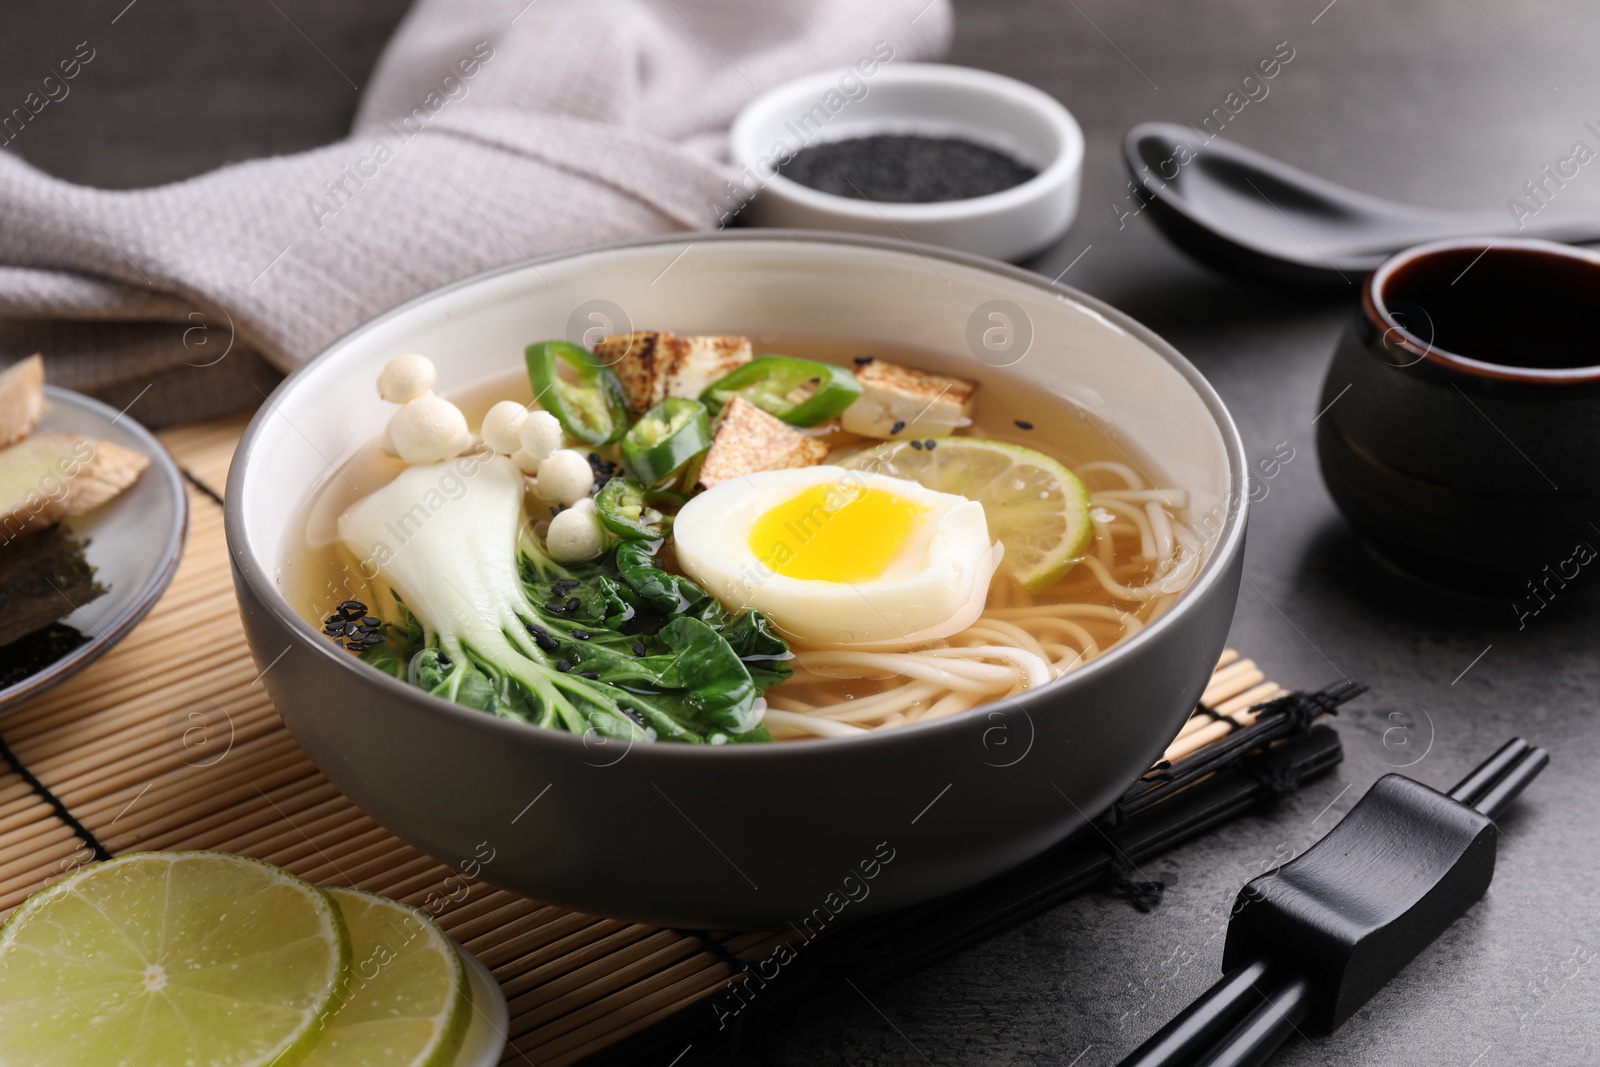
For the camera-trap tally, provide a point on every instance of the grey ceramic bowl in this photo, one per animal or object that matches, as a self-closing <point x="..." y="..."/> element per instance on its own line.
<point x="757" y="835"/>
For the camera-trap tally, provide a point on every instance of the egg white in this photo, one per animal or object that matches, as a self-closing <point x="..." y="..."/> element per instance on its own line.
<point x="934" y="587"/>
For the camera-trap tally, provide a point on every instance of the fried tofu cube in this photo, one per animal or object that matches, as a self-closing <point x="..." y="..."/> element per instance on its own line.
<point x="640" y="360"/>
<point x="898" y="401"/>
<point x="652" y="364"/>
<point x="748" y="440"/>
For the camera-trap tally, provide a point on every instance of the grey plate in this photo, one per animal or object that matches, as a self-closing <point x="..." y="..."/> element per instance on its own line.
<point x="485" y="1039"/>
<point x="135" y="541"/>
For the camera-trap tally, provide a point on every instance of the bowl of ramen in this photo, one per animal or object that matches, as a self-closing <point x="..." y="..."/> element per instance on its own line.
<point x="741" y="579"/>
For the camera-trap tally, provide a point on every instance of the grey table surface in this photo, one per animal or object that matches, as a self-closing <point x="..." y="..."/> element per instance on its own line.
<point x="1453" y="103"/>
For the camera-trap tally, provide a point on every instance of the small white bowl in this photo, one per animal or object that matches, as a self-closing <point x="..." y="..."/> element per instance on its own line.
<point x="931" y="99"/>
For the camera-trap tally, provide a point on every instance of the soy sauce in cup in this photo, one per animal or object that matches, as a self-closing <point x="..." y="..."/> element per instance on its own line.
<point x="1461" y="434"/>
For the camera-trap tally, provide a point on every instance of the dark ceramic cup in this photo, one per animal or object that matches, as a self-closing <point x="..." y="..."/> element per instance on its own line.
<point x="1460" y="419"/>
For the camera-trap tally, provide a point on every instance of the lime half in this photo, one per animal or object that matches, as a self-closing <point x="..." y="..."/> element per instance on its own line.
<point x="170" y="959"/>
<point x="408" y="1000"/>
<point x="1035" y="506"/>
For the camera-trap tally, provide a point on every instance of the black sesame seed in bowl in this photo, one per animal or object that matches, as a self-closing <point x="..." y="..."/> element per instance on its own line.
<point x="934" y="153"/>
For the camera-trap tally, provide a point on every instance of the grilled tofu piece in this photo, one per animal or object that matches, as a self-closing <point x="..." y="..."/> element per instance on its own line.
<point x="748" y="439"/>
<point x="652" y="364"/>
<point x="903" y="402"/>
<point x="640" y="361"/>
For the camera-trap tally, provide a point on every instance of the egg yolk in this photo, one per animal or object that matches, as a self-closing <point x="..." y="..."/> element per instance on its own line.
<point x="834" y="533"/>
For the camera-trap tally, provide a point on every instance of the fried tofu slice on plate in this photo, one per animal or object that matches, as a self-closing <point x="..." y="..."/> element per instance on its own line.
<point x="654" y="364"/>
<point x="748" y="440"/>
<point x="903" y="402"/>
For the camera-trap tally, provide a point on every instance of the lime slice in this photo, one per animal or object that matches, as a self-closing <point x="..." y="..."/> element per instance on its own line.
<point x="408" y="1000"/>
<point x="170" y="959"/>
<point x="1036" y="507"/>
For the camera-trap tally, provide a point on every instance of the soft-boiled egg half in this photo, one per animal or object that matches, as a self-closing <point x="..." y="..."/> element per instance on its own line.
<point x="839" y="557"/>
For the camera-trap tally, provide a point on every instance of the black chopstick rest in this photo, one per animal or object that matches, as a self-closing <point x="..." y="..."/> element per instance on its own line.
<point x="1313" y="940"/>
<point x="1405" y="863"/>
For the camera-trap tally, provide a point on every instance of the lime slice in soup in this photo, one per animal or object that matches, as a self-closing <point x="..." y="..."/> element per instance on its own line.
<point x="407" y="1002"/>
<point x="170" y="959"/>
<point x="1035" y="506"/>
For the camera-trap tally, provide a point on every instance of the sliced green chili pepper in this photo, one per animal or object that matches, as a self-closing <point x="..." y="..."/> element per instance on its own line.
<point x="588" y="402"/>
<point x="665" y="438"/>
<point x="801" y="392"/>
<point x="635" y="513"/>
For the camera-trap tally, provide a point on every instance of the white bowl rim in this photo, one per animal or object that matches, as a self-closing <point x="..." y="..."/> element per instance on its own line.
<point x="1229" y="539"/>
<point x="1068" y="161"/>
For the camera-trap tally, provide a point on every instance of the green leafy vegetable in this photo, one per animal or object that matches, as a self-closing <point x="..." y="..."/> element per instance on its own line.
<point x="618" y="647"/>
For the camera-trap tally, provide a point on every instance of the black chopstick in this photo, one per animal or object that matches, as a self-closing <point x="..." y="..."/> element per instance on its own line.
<point x="1301" y="945"/>
<point x="1277" y="1014"/>
<point x="1497" y="780"/>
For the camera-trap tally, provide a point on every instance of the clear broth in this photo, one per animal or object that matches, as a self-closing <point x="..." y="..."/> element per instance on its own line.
<point x="318" y="574"/>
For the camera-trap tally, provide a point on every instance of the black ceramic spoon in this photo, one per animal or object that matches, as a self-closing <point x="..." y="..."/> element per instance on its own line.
<point x="1249" y="215"/>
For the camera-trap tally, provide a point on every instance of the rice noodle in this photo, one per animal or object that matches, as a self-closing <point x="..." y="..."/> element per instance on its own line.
<point x="1130" y="477"/>
<point x="1138" y="516"/>
<point x="793" y="723"/>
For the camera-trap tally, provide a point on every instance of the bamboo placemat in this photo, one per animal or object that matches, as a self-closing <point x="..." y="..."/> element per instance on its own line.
<point x="169" y="742"/>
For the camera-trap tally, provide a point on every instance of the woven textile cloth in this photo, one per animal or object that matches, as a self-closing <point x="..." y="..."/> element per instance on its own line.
<point x="491" y="131"/>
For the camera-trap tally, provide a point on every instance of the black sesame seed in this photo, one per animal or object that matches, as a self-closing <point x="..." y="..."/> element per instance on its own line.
<point x="564" y="586"/>
<point x="632" y="714"/>
<point x="591" y="675"/>
<point x="573" y="603"/>
<point x="930" y="444"/>
<point x="444" y="660"/>
<point x="353" y="607"/>
<point x="333" y="631"/>
<point x="563" y="665"/>
<point x="351" y="628"/>
<point x="542" y="638"/>
<point x="638" y="648"/>
<point x="906" y="168"/>
<point x="581" y="635"/>
<point x="917" y="445"/>
<point x="556" y="509"/>
<point x="604" y="470"/>
<point x="371" y="620"/>
<point x="333" y="620"/>
<point x="372" y="639"/>
<point x="1023" y="424"/>
<point x="899" y="424"/>
<point x="553" y="606"/>
<point x="862" y="361"/>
